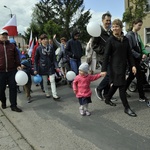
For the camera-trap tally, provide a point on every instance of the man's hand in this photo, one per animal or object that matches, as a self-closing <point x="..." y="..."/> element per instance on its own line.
<point x="54" y="36"/>
<point x="134" y="70"/>
<point x="57" y="69"/>
<point x="35" y="72"/>
<point x="19" y="68"/>
<point x="103" y="74"/>
<point x="144" y="56"/>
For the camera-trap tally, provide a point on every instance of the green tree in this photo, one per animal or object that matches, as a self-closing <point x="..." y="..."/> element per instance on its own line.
<point x="136" y="9"/>
<point x="61" y="17"/>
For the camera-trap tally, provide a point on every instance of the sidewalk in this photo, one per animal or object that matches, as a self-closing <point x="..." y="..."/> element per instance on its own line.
<point x="10" y="138"/>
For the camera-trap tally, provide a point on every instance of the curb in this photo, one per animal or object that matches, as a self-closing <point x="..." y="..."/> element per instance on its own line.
<point x="15" y="135"/>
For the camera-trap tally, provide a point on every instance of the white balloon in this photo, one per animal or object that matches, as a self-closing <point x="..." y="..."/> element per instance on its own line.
<point x="94" y="29"/>
<point x="70" y="75"/>
<point x="21" y="77"/>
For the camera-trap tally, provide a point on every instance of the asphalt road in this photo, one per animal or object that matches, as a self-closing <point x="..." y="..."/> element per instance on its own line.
<point x="57" y="125"/>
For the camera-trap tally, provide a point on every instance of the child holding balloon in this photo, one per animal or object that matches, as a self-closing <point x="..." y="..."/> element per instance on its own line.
<point x="81" y="87"/>
<point x="26" y="67"/>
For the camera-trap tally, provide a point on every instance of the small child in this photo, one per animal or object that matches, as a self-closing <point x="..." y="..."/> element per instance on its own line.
<point x="26" y="67"/>
<point x="81" y="87"/>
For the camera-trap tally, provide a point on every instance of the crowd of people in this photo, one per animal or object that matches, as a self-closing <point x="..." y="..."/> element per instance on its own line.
<point x="114" y="50"/>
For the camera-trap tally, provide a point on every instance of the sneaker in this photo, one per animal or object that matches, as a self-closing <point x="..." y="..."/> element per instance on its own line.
<point x="16" y="109"/>
<point x="47" y="96"/>
<point x="148" y="103"/>
<point x="87" y="113"/>
<point x="144" y="99"/>
<point x="113" y="99"/>
<point x="29" y="100"/>
<point x="56" y="97"/>
<point x="98" y="94"/>
<point x="81" y="110"/>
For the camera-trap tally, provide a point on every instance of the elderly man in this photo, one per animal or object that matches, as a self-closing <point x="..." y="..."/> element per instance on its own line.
<point x="9" y="63"/>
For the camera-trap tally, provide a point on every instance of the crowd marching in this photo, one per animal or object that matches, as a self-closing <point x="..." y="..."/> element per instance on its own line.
<point x="114" y="51"/>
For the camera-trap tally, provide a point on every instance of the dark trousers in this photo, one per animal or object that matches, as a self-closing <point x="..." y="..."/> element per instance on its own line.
<point x="139" y="77"/>
<point x="104" y="84"/>
<point x="8" y="77"/>
<point x="122" y="90"/>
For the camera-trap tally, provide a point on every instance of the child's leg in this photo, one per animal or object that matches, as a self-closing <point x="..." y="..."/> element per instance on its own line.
<point x="86" y="109"/>
<point x="28" y="90"/>
<point x="81" y="110"/>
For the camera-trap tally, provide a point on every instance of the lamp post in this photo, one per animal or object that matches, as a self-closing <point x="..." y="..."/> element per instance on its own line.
<point x="10" y="11"/>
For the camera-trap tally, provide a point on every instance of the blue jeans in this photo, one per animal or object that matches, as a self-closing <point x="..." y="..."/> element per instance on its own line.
<point x="8" y="78"/>
<point x="74" y="64"/>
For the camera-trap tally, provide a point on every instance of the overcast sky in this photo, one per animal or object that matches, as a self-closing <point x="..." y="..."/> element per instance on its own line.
<point x="23" y="10"/>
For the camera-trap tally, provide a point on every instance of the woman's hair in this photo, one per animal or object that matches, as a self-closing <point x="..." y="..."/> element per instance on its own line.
<point x="136" y="21"/>
<point x="117" y="22"/>
<point x="43" y="36"/>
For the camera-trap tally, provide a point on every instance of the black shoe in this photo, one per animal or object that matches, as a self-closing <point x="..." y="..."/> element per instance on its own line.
<point x="127" y="95"/>
<point x="4" y="106"/>
<point x="110" y="103"/>
<point x="99" y="94"/>
<point x="16" y="109"/>
<point x="43" y="90"/>
<point x="130" y="112"/>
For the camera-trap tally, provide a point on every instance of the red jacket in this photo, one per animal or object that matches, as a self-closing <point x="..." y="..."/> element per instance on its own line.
<point x="81" y="84"/>
<point x="33" y="52"/>
<point x="9" y="58"/>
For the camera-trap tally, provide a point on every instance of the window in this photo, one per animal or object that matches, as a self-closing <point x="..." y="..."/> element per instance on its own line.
<point x="148" y="6"/>
<point x="147" y="35"/>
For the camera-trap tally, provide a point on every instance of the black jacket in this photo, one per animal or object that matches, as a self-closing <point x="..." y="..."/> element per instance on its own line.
<point x="74" y="48"/>
<point x="117" y="55"/>
<point x="45" y="60"/>
<point x="98" y="43"/>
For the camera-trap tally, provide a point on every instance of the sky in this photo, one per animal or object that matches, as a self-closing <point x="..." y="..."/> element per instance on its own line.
<point x="23" y="10"/>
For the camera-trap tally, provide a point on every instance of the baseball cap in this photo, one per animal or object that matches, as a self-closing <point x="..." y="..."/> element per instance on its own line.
<point x="2" y="31"/>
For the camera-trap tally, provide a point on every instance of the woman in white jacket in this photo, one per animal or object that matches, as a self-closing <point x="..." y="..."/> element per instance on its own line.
<point x="91" y="53"/>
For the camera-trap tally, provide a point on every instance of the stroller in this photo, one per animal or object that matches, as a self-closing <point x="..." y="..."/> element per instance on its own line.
<point x="59" y="78"/>
<point x="145" y="65"/>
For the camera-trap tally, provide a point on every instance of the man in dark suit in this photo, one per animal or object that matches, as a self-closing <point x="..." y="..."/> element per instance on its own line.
<point x="98" y="45"/>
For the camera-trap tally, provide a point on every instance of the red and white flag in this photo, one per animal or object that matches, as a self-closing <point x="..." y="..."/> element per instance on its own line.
<point x="31" y="48"/>
<point x="30" y="40"/>
<point x="11" y="26"/>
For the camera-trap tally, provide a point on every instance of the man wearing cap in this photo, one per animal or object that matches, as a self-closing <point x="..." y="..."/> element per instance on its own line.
<point x="9" y="63"/>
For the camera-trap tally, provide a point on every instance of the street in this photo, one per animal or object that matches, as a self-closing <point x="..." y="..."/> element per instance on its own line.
<point x="57" y="125"/>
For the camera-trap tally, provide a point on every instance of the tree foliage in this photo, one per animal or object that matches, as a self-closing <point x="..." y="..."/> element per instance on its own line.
<point x="59" y="17"/>
<point x="136" y="9"/>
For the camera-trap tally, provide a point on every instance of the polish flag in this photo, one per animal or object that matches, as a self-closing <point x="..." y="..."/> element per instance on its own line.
<point x="30" y="40"/>
<point x="31" y="48"/>
<point x="11" y="26"/>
